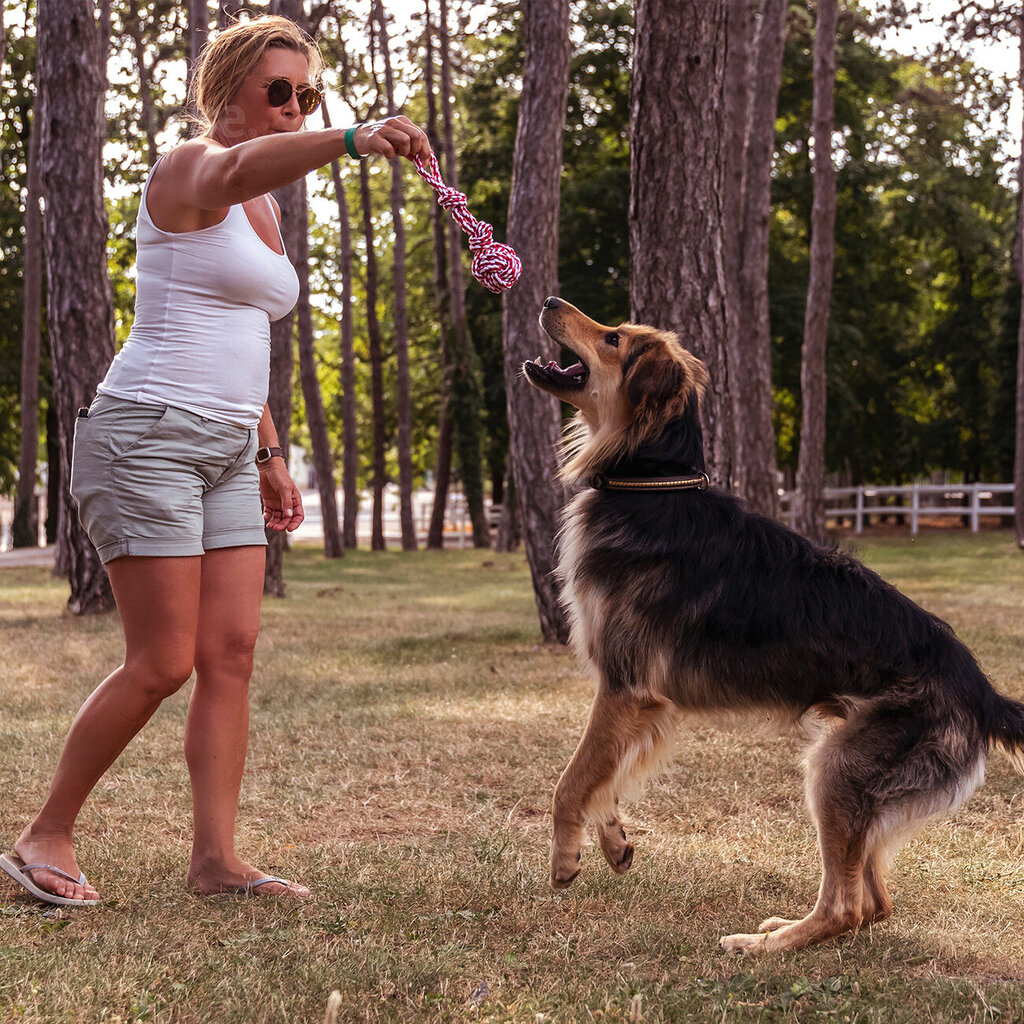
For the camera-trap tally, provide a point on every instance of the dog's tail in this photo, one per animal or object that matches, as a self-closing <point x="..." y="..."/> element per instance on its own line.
<point x="1004" y="727"/>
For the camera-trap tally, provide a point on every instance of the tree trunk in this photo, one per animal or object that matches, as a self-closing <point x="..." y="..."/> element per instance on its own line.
<point x="810" y="474"/>
<point x="1018" y="462"/>
<point x="403" y="399"/>
<point x="25" y="530"/>
<point x="509" y="530"/>
<point x="677" y="137"/>
<point x="316" y="419"/>
<point x="377" y="541"/>
<point x="350" y="443"/>
<point x="282" y="366"/>
<point x="198" y="33"/>
<point x="442" y="479"/>
<point x="534" y="417"/>
<point x="753" y="73"/>
<point x="464" y="394"/>
<point x="145" y="79"/>
<point x="80" y="310"/>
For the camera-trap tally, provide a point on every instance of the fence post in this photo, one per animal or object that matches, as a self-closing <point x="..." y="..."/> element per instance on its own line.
<point x="975" y="507"/>
<point x="915" y="504"/>
<point x="859" y="517"/>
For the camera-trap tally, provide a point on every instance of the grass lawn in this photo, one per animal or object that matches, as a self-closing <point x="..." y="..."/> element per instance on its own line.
<point x="407" y="732"/>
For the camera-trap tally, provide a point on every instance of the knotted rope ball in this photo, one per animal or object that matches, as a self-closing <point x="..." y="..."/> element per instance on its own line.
<point x="495" y="265"/>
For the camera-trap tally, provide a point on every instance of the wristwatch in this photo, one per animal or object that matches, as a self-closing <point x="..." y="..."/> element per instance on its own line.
<point x="264" y="455"/>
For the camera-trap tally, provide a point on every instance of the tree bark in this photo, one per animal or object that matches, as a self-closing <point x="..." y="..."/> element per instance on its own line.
<point x="403" y="399"/>
<point x="754" y="72"/>
<point x="316" y="419"/>
<point x="377" y="540"/>
<point x="350" y="442"/>
<point x="282" y="366"/>
<point x="25" y="530"/>
<point x="145" y="76"/>
<point x="198" y="33"/>
<point x="534" y="417"/>
<point x="80" y="310"/>
<point x="464" y="394"/>
<point x="442" y="478"/>
<point x="1018" y="461"/>
<point x="810" y="474"/>
<point x="677" y="136"/>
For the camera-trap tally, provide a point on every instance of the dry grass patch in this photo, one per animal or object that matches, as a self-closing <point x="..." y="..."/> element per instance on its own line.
<point x="407" y="733"/>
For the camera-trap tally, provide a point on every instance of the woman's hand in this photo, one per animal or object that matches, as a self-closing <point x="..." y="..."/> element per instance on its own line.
<point x="395" y="136"/>
<point x="282" y="503"/>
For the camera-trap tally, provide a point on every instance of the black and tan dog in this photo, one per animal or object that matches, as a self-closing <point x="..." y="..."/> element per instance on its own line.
<point x="683" y="601"/>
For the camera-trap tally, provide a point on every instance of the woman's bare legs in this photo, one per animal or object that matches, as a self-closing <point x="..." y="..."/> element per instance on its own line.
<point x="158" y="600"/>
<point x="217" y="729"/>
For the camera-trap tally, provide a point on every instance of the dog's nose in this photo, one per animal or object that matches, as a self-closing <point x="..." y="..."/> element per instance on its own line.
<point x="552" y="302"/>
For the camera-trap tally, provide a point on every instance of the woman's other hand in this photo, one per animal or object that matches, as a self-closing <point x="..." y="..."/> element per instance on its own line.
<point x="282" y="503"/>
<point x="395" y="136"/>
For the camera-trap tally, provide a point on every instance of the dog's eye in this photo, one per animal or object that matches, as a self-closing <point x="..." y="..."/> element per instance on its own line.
<point x="612" y="338"/>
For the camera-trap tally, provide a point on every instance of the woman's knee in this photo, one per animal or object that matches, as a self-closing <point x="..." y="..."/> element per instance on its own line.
<point x="159" y="677"/>
<point x="231" y="654"/>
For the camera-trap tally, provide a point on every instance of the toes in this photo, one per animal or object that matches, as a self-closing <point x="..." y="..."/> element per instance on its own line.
<point x="562" y="881"/>
<point x="743" y="943"/>
<point x="625" y="862"/>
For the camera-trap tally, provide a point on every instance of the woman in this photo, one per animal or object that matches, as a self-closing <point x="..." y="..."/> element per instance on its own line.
<point x="167" y="458"/>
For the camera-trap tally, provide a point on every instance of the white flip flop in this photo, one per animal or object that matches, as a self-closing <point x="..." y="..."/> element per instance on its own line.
<point x="14" y="866"/>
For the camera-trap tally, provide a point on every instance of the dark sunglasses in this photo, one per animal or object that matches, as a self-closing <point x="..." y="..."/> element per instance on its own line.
<point x="280" y="90"/>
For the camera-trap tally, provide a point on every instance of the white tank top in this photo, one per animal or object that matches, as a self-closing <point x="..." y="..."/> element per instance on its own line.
<point x="203" y="305"/>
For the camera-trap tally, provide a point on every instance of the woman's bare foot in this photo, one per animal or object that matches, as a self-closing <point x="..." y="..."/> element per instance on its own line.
<point x="212" y="878"/>
<point x="35" y="846"/>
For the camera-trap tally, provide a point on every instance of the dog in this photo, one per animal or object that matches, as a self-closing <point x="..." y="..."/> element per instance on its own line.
<point x="683" y="600"/>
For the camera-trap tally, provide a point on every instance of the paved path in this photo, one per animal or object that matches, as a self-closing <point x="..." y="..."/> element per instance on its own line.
<point x="27" y="556"/>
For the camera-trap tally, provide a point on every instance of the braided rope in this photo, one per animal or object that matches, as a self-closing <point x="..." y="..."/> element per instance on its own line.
<point x="495" y="266"/>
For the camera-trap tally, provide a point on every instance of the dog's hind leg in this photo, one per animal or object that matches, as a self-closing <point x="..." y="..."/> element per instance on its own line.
<point x="624" y="737"/>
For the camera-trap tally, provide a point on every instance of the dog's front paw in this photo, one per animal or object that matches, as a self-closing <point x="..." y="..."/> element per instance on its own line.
<point x="564" y="869"/>
<point x="617" y="851"/>
<point x="744" y="943"/>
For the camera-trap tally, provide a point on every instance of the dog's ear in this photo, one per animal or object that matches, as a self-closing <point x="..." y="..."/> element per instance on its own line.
<point x="654" y="376"/>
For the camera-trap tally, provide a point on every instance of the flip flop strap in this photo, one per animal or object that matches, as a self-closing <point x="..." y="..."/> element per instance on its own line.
<point x="269" y="878"/>
<point x="80" y="880"/>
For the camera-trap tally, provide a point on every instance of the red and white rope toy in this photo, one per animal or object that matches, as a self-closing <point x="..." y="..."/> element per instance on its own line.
<point x="495" y="266"/>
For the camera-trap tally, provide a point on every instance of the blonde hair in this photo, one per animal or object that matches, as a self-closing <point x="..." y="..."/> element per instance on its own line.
<point x="227" y="61"/>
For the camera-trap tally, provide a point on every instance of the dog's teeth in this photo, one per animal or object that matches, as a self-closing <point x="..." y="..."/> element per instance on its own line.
<point x="538" y="362"/>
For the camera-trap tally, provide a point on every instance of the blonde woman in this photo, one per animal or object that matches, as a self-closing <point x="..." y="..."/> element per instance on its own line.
<point x="175" y="453"/>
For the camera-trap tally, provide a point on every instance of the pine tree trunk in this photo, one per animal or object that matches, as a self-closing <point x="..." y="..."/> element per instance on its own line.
<point x="377" y="540"/>
<point x="403" y="397"/>
<point x="1018" y="462"/>
<point x="465" y="393"/>
<point x="677" y="137"/>
<point x="198" y="33"/>
<point x="534" y="417"/>
<point x="25" y="529"/>
<point x="442" y="476"/>
<point x="316" y="419"/>
<point x="751" y="383"/>
<point x="145" y="80"/>
<point x="282" y="367"/>
<point x="810" y="474"/>
<point x="350" y="443"/>
<point x="80" y="310"/>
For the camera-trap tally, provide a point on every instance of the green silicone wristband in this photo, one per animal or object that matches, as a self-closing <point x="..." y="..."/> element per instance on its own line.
<point x="350" y="144"/>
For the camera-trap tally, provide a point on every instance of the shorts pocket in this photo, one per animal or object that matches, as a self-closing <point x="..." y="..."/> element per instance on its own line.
<point x="129" y="428"/>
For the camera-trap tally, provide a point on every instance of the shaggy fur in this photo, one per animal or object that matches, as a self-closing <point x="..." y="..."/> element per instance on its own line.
<point x="686" y="601"/>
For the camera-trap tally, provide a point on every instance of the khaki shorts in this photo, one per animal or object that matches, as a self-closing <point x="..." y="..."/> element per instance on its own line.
<point x="155" y="480"/>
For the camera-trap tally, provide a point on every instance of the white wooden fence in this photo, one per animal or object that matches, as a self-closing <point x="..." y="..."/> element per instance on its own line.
<point x="971" y="501"/>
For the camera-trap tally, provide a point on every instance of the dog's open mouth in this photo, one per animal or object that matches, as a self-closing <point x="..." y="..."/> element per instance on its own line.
<point x="551" y="375"/>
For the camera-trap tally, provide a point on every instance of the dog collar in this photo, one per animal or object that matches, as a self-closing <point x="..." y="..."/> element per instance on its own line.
<point x="700" y="482"/>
